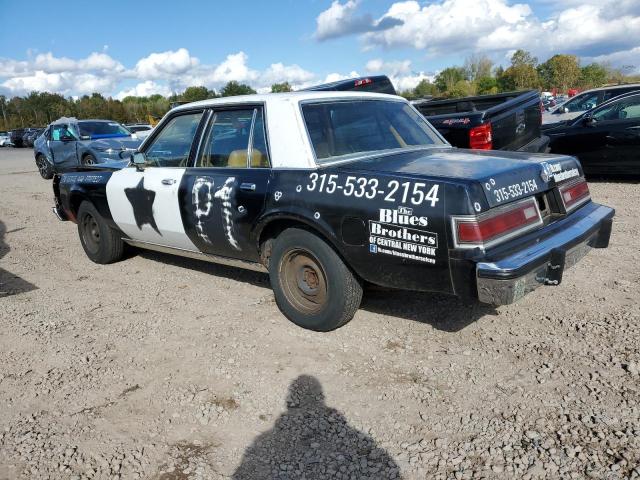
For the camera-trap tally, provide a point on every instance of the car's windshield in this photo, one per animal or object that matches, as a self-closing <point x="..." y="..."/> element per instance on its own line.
<point x="343" y="128"/>
<point x="102" y="129"/>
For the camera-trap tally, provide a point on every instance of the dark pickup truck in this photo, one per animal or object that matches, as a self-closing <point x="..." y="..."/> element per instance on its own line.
<point x="506" y="121"/>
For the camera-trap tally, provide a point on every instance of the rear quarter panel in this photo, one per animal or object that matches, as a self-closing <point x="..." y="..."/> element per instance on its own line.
<point x="383" y="235"/>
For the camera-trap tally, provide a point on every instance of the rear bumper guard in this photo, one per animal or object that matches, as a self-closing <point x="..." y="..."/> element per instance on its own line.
<point x="509" y="279"/>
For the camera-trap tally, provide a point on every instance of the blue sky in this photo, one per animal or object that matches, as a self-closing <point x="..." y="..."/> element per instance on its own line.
<point x="120" y="47"/>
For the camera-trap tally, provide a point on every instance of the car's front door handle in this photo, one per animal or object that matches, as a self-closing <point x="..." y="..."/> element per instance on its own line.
<point x="251" y="187"/>
<point x="168" y="181"/>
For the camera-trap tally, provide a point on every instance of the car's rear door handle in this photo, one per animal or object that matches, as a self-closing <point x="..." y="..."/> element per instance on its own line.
<point x="251" y="187"/>
<point x="168" y="181"/>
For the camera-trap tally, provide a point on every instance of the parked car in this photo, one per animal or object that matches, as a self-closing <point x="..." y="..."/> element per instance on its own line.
<point x="606" y="139"/>
<point x="140" y="130"/>
<point x="30" y="136"/>
<point x="586" y="100"/>
<point x="5" y="140"/>
<point x="16" y="137"/>
<point x="327" y="190"/>
<point x="68" y="143"/>
<point x="507" y="121"/>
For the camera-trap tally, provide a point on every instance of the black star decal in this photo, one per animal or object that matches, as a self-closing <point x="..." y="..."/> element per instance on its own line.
<point x="141" y="200"/>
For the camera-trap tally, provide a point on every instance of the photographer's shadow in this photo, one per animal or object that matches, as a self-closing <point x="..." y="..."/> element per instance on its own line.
<point x="311" y="441"/>
<point x="10" y="284"/>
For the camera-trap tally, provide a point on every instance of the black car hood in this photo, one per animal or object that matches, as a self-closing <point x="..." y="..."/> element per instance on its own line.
<point x="489" y="170"/>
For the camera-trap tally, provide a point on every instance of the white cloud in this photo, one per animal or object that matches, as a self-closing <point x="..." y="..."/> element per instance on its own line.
<point x="388" y="68"/>
<point x="340" y="19"/>
<point x="334" y="77"/>
<point x="278" y="72"/>
<point x="145" y="89"/>
<point x="165" y="64"/>
<point x="588" y="28"/>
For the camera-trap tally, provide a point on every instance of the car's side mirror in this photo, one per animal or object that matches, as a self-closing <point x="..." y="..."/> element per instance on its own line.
<point x="589" y="121"/>
<point x="139" y="160"/>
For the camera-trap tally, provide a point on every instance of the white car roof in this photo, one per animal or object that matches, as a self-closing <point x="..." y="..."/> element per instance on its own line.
<point x="287" y="96"/>
<point x="289" y="144"/>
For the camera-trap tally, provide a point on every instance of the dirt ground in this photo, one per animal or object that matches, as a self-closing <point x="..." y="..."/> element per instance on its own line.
<point x="166" y="368"/>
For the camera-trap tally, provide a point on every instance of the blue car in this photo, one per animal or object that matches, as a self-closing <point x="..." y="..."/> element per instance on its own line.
<point x="68" y="143"/>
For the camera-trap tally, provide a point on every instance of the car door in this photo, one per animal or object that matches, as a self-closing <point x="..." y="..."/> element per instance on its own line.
<point x="621" y="123"/>
<point x="63" y="147"/>
<point x="225" y="192"/>
<point x="144" y="203"/>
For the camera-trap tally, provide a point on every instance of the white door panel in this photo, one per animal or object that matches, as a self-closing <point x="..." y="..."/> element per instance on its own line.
<point x="145" y="205"/>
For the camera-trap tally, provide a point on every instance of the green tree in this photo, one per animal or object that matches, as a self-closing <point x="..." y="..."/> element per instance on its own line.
<point x="447" y="78"/>
<point x="522" y="57"/>
<point x="424" y="89"/>
<point x="593" y="75"/>
<point x="560" y="71"/>
<point x="281" y="87"/>
<point x="486" y="85"/>
<point x="478" y="66"/>
<point x="233" y="88"/>
<point x="518" y="77"/>
<point x="194" y="94"/>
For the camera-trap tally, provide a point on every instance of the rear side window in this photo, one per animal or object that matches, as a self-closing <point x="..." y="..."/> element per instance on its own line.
<point x="343" y="128"/>
<point x="235" y="139"/>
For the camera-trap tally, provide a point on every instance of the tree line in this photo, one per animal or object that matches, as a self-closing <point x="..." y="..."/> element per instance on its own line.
<point x="477" y="76"/>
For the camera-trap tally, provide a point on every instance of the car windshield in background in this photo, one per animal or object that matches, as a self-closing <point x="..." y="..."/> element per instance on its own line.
<point x="138" y="128"/>
<point x="349" y="128"/>
<point x="102" y="130"/>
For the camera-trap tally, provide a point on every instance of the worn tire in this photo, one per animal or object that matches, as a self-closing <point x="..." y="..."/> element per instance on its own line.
<point x="312" y="285"/>
<point x="101" y="243"/>
<point x="44" y="167"/>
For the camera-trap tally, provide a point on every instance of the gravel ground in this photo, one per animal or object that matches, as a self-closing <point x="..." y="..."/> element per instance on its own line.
<point x="166" y="368"/>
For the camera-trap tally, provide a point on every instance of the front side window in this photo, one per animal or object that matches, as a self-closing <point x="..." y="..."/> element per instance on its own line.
<point x="582" y="102"/>
<point x="171" y="147"/>
<point x="235" y="139"/>
<point x="59" y="131"/>
<point x="624" y="109"/>
<point x="347" y="128"/>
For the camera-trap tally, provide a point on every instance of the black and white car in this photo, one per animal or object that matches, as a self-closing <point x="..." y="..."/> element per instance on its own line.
<point x="328" y="190"/>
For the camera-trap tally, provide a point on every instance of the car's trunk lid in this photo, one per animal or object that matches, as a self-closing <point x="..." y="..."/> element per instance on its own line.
<point x="502" y="176"/>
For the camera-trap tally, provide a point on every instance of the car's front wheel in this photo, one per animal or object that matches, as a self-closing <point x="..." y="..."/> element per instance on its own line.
<point x="44" y="167"/>
<point x="312" y="285"/>
<point x="89" y="160"/>
<point x="101" y="243"/>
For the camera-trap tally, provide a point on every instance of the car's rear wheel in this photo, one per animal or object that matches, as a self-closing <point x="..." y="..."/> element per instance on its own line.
<point x="89" y="160"/>
<point x="44" y="167"/>
<point x="101" y="243"/>
<point x="312" y="285"/>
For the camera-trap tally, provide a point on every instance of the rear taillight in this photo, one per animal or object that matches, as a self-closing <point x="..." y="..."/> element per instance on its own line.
<point x="496" y="226"/>
<point x="480" y="137"/>
<point x="574" y="194"/>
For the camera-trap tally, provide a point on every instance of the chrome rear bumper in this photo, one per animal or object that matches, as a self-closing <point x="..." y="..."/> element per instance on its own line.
<point x="511" y="278"/>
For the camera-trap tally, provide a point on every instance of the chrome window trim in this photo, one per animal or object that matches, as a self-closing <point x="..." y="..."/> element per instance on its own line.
<point x="320" y="164"/>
